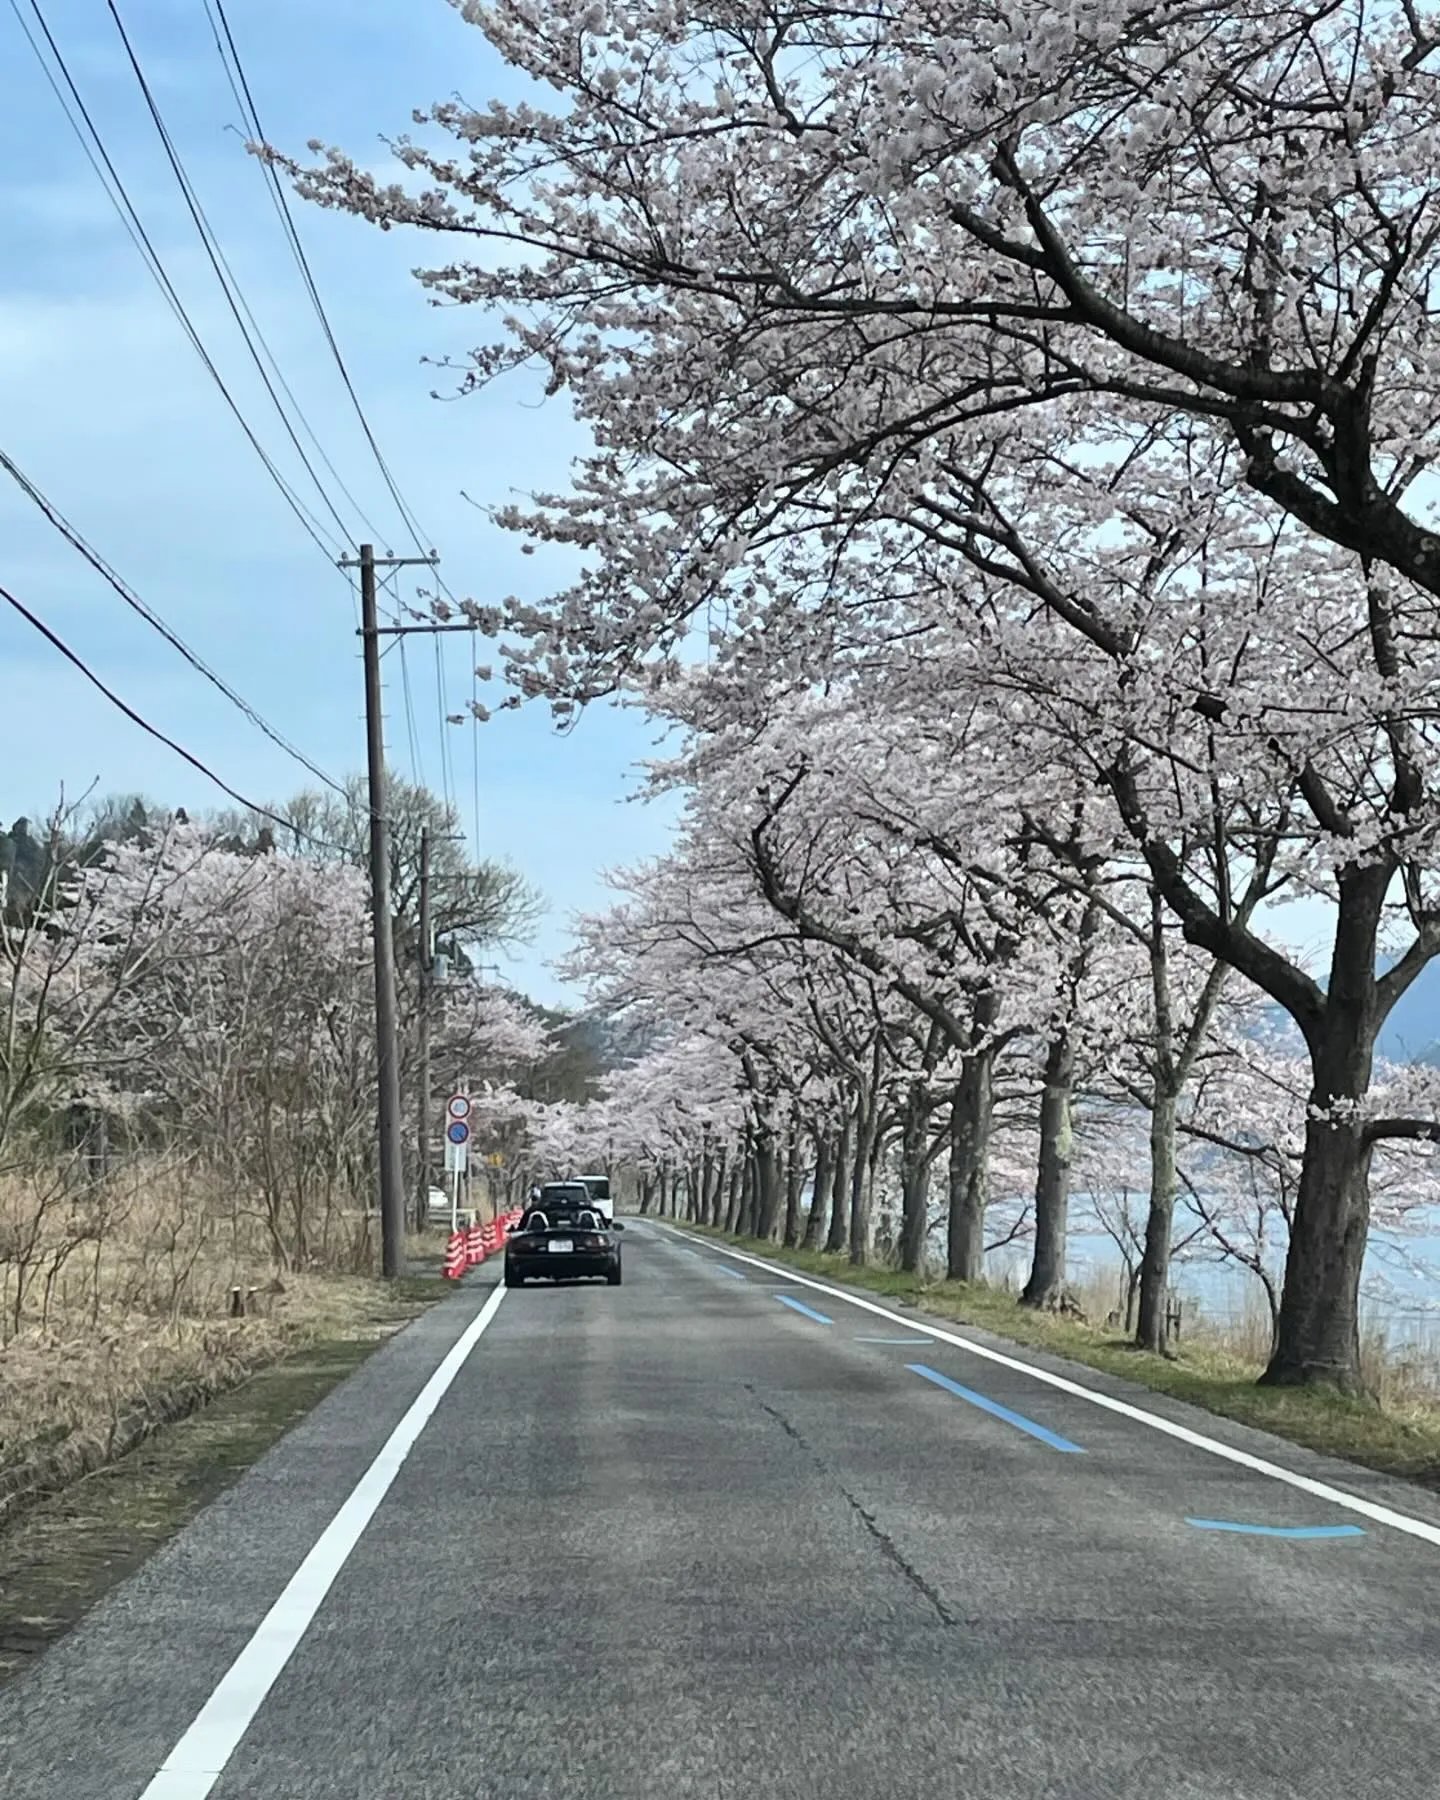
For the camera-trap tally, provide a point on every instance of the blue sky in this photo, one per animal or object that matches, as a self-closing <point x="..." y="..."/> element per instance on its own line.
<point x="106" y="406"/>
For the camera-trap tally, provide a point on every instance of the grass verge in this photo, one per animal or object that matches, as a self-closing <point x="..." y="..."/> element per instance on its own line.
<point x="62" y="1554"/>
<point x="1397" y="1434"/>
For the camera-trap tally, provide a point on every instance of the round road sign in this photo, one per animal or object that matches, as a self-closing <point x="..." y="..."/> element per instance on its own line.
<point x="459" y="1107"/>
<point x="458" y="1132"/>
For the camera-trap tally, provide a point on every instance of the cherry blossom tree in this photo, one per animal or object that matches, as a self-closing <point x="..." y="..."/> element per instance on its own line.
<point x="473" y="904"/>
<point x="917" y="849"/>
<point x="1224" y="214"/>
<point x="250" y="1032"/>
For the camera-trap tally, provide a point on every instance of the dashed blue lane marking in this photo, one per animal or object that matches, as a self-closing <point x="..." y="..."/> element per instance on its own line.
<point x="1284" y="1531"/>
<point x="993" y="1406"/>
<point x="734" y="1274"/>
<point x="801" y="1307"/>
<point x="909" y="1340"/>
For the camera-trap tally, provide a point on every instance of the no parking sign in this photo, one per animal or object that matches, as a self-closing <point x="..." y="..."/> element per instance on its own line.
<point x="457" y="1133"/>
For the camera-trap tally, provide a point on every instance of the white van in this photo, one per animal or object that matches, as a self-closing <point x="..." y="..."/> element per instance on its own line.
<point x="598" y="1187"/>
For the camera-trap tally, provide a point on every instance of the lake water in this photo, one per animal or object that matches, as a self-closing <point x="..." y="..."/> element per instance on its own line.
<point x="1401" y="1285"/>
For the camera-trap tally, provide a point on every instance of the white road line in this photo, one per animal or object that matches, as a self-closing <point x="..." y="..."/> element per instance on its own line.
<point x="1321" y="1490"/>
<point x="197" y="1762"/>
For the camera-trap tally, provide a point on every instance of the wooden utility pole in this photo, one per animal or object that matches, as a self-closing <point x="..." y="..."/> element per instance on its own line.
<point x="427" y="971"/>
<point x="387" y="1040"/>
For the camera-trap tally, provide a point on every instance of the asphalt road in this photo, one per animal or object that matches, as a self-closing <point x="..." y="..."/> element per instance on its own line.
<point x="682" y="1538"/>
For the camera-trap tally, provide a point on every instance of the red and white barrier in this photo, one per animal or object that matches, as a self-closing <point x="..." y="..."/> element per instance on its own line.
<point x="476" y="1248"/>
<point x="455" y="1258"/>
<point x="490" y="1237"/>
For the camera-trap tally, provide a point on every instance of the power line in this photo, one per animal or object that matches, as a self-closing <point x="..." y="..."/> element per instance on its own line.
<point x="249" y="112"/>
<point x="153" y="730"/>
<point x="245" y="100"/>
<point x="475" y="741"/>
<point x="389" y="582"/>
<point x="119" y="198"/>
<point x="416" y="766"/>
<point x="152" y="618"/>
<point x="222" y="274"/>
<point x="235" y="298"/>
<point x="447" y="763"/>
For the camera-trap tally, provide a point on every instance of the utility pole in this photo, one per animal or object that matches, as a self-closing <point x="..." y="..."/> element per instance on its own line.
<point x="392" y="1178"/>
<point x="427" y="960"/>
<point x="427" y="971"/>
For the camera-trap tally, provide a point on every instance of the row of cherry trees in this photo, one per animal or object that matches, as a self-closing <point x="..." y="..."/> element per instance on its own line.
<point x="857" y="985"/>
<point x="1078" y="381"/>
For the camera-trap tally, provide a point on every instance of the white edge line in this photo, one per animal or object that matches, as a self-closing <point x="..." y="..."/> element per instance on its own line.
<point x="198" y="1760"/>
<point x="1321" y="1490"/>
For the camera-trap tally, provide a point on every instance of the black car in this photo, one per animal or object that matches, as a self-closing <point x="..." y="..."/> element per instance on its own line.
<point x="561" y="1240"/>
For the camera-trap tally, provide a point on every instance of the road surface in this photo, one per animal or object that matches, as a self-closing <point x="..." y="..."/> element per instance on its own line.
<point x="704" y="1535"/>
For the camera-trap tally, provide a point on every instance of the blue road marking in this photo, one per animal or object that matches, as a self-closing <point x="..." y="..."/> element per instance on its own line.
<point x="1284" y="1531"/>
<point x="909" y="1340"/>
<point x="801" y="1307"/>
<point x="734" y="1274"/>
<point x="993" y="1406"/>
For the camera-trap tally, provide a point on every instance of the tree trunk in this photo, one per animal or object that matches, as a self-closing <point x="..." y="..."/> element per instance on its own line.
<point x="1132" y="1294"/>
<point x="970" y="1121"/>
<point x="750" y="1202"/>
<point x="820" y="1193"/>
<point x="794" y="1184"/>
<point x="1151" y="1333"/>
<point x="735" y="1200"/>
<point x="1046" y="1285"/>
<point x="835" y="1238"/>
<point x="1317" y="1339"/>
<point x="713" y="1202"/>
<point x="867" y="1137"/>
<point x="767" y="1183"/>
<point x="914" y="1181"/>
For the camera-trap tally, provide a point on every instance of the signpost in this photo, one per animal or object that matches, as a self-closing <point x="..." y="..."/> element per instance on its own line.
<point x="457" y="1140"/>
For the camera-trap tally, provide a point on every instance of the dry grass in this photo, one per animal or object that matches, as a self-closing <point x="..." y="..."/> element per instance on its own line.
<point x="115" y="1294"/>
<point x="65" y="1551"/>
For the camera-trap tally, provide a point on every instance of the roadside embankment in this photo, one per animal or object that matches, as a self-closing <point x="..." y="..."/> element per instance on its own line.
<point x="142" y="1369"/>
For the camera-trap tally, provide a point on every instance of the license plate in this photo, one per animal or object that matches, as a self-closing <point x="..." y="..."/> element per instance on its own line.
<point x="562" y="1244"/>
